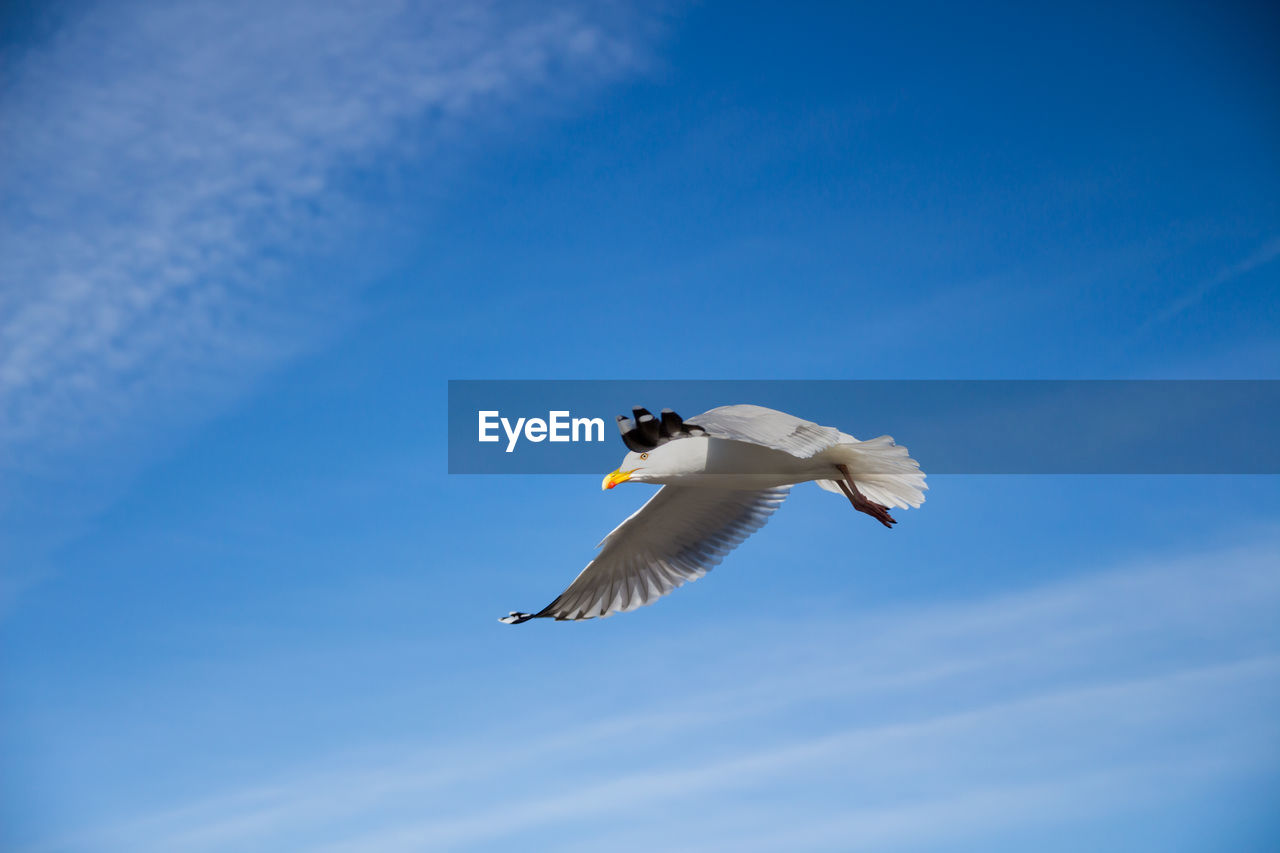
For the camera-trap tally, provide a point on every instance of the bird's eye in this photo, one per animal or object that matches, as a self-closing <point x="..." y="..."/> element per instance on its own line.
<point x="644" y="455"/>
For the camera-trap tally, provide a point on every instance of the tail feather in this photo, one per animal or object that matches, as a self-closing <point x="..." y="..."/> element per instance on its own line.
<point x="883" y="471"/>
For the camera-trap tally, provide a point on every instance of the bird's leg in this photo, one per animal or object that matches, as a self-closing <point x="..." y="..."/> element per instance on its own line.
<point x="859" y="500"/>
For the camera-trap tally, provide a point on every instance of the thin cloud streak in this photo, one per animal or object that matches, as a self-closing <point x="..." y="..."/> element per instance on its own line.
<point x="877" y="753"/>
<point x="1056" y="702"/>
<point x="944" y="821"/>
<point x="1263" y="255"/>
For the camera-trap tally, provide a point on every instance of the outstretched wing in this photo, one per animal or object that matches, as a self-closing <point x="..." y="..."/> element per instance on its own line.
<point x="679" y="535"/>
<point x="771" y="428"/>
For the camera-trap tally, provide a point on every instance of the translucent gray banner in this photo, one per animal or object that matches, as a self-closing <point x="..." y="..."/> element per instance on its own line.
<point x="950" y="426"/>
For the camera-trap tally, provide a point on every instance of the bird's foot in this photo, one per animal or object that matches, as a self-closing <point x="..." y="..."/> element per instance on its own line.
<point x="860" y="501"/>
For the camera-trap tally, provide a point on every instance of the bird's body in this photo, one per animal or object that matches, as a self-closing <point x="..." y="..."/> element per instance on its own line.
<point x="723" y="463"/>
<point x="722" y="475"/>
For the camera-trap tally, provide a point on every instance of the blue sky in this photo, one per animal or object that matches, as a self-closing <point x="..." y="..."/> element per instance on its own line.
<point x="245" y="608"/>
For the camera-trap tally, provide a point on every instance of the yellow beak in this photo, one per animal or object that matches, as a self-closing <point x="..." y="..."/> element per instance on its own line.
<point x="617" y="477"/>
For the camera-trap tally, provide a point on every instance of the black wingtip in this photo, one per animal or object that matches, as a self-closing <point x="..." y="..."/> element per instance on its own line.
<point x="646" y="425"/>
<point x="647" y="432"/>
<point x="515" y="617"/>
<point x="671" y="424"/>
<point x="642" y="433"/>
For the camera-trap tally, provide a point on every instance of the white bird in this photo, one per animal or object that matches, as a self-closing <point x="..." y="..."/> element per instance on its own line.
<point x="723" y="474"/>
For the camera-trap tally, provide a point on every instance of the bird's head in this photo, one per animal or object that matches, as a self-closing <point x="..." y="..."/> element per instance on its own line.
<point x="662" y="464"/>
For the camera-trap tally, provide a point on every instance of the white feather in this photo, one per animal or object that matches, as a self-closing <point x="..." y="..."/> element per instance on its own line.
<point x="769" y="427"/>
<point x="679" y="535"/>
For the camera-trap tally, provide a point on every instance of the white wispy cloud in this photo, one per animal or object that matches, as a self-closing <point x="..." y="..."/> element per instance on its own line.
<point x="163" y="162"/>
<point x="1117" y="691"/>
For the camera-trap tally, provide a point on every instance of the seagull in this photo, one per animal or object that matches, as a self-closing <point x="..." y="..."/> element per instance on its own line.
<point x="723" y="474"/>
